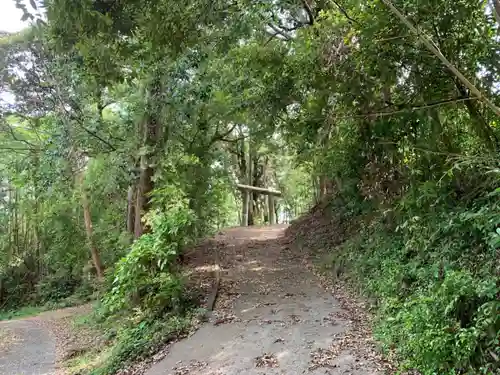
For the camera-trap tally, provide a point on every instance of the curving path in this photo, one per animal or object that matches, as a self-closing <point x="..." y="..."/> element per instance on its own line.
<point x="26" y="349"/>
<point x="272" y="317"/>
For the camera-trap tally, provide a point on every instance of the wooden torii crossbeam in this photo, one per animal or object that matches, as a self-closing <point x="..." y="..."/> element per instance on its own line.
<point x="246" y="189"/>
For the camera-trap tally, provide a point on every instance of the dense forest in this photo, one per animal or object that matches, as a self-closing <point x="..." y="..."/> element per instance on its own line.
<point x="125" y="126"/>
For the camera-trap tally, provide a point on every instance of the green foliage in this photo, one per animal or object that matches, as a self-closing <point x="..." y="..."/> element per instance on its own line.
<point x="145" y="305"/>
<point x="20" y="313"/>
<point x="435" y="280"/>
<point x="136" y="342"/>
<point x="56" y="287"/>
<point x="162" y="106"/>
<point x="450" y="327"/>
<point x="146" y="281"/>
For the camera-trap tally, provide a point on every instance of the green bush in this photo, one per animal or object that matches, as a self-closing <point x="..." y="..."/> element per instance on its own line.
<point x="146" y="279"/>
<point x="435" y="277"/>
<point x="15" y="290"/>
<point x="56" y="287"/>
<point x="449" y="327"/>
<point x="145" y="304"/>
<point x="145" y="338"/>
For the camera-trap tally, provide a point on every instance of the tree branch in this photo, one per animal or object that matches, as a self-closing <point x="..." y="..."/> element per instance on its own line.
<point x="14" y="136"/>
<point x="279" y="32"/>
<point x="432" y="47"/>
<point x="495" y="5"/>
<point x="76" y="108"/>
<point x="383" y="142"/>
<point x="218" y="137"/>
<point x="234" y="140"/>
<point x="344" y="12"/>
<point x="4" y="148"/>
<point x="91" y="132"/>
<point x="409" y="108"/>
<point x="191" y="144"/>
<point x="309" y="11"/>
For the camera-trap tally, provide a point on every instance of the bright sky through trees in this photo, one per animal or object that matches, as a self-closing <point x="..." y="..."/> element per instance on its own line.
<point x="10" y="17"/>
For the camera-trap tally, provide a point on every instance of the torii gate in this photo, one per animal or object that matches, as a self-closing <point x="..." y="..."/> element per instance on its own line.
<point x="245" y="190"/>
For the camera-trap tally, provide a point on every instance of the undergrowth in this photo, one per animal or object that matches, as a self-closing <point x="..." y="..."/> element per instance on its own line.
<point x="36" y="307"/>
<point x="146" y="304"/>
<point x="127" y="345"/>
<point x="20" y="313"/>
<point x="431" y="264"/>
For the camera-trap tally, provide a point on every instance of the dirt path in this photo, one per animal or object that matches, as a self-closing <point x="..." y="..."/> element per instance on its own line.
<point x="272" y="317"/>
<point x="26" y="348"/>
<point x="35" y="345"/>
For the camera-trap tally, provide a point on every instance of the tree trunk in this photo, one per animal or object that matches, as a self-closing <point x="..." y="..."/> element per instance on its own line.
<point x="96" y="259"/>
<point x="276" y="212"/>
<point x="131" y="197"/>
<point x="272" y="219"/>
<point x="145" y="187"/>
<point x="251" y="195"/>
<point x="496" y="10"/>
<point x="482" y="129"/>
<point x="16" y="220"/>
<point x="36" y="226"/>
<point x="1" y="291"/>
<point x="244" y="209"/>
<point x="265" y="210"/>
<point x="143" y="201"/>
<point x="323" y="186"/>
<point x="10" y="228"/>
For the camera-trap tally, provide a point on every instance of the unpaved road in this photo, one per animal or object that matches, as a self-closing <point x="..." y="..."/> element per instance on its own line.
<point x="35" y="345"/>
<point x="272" y="317"/>
<point x="26" y="348"/>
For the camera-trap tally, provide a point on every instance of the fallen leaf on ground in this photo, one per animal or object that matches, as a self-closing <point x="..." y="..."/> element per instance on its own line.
<point x="266" y="360"/>
<point x="187" y="369"/>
